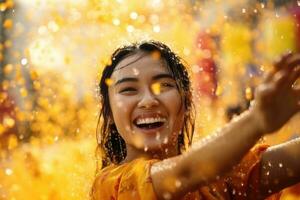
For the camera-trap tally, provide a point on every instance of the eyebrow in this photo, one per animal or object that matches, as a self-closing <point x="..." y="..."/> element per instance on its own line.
<point x="159" y="76"/>
<point x="127" y="79"/>
<point x="131" y="79"/>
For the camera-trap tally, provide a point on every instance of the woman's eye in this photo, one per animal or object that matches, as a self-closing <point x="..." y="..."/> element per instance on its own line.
<point x="167" y="85"/>
<point x="127" y="90"/>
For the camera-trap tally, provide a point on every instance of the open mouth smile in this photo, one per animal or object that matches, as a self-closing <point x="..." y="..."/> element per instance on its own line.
<point x="150" y="123"/>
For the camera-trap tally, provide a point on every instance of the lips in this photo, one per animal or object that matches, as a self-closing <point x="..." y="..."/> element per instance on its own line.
<point x="150" y="122"/>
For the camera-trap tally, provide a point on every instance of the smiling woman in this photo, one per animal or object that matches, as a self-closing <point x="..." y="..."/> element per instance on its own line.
<point x="139" y="112"/>
<point x="145" y="101"/>
<point x="148" y="123"/>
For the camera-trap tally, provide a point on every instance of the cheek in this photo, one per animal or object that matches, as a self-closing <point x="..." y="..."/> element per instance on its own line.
<point x="175" y="108"/>
<point x="121" y="110"/>
<point x="173" y="102"/>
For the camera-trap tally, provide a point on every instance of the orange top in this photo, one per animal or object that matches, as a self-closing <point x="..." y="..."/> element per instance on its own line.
<point x="132" y="181"/>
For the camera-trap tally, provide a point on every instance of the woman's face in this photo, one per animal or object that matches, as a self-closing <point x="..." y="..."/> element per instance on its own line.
<point x="145" y="103"/>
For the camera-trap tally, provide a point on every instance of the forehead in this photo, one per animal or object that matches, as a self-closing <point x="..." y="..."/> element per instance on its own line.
<point x="140" y="63"/>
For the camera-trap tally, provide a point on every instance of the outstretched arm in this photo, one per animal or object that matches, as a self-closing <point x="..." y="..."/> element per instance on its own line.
<point x="275" y="103"/>
<point x="206" y="160"/>
<point x="280" y="167"/>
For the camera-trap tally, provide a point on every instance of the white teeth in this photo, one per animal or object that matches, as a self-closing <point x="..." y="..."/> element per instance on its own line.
<point x="150" y="120"/>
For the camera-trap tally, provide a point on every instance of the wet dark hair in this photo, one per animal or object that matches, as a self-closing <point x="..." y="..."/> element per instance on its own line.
<point x="111" y="146"/>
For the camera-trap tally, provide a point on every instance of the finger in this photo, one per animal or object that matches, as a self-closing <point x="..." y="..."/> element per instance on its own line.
<point x="293" y="62"/>
<point x="264" y="90"/>
<point x="268" y="76"/>
<point x="278" y="66"/>
<point x="297" y="96"/>
<point x="281" y="78"/>
<point x="292" y="67"/>
<point x="294" y="75"/>
<point x="282" y="61"/>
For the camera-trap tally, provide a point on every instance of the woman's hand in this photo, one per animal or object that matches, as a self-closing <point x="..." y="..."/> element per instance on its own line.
<point x="277" y="99"/>
<point x="276" y="102"/>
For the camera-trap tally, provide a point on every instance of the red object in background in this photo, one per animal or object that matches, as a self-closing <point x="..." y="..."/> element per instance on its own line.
<point x="205" y="78"/>
<point x="295" y="11"/>
<point x="7" y="110"/>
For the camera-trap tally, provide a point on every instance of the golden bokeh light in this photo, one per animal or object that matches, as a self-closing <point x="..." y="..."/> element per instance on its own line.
<point x="53" y="54"/>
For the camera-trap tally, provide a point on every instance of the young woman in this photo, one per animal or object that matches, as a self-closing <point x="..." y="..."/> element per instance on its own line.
<point x="147" y="128"/>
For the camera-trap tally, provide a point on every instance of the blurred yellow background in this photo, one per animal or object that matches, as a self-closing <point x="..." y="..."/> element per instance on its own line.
<point x="52" y="53"/>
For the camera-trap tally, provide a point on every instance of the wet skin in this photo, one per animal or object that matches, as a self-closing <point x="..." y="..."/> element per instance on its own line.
<point x="144" y="88"/>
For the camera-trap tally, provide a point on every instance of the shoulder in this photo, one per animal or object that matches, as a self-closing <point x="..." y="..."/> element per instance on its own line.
<point x="122" y="180"/>
<point x="244" y="177"/>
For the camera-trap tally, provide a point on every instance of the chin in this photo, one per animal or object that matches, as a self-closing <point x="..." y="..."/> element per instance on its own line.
<point x="155" y="146"/>
<point x="158" y="147"/>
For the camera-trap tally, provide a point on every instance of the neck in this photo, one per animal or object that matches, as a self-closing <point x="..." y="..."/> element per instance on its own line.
<point x="165" y="152"/>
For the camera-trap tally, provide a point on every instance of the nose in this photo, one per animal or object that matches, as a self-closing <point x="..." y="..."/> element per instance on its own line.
<point x="148" y="100"/>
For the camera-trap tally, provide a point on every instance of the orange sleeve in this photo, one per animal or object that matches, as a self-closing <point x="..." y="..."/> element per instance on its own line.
<point x="243" y="181"/>
<point x="128" y="181"/>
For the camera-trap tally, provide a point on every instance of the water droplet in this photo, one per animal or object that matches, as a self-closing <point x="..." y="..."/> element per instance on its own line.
<point x="177" y="183"/>
<point x="167" y="195"/>
<point x="165" y="140"/>
<point x="156" y="28"/>
<point x="196" y="69"/>
<point x="135" y="71"/>
<point x="56" y="137"/>
<point x="157" y="137"/>
<point x="24" y="61"/>
<point x="127" y="128"/>
<point x="133" y="15"/>
<point x="130" y="28"/>
<point x="116" y="22"/>
<point x="145" y="148"/>
<point x="8" y="171"/>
